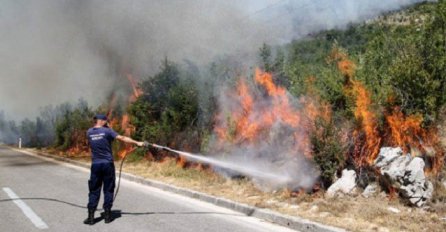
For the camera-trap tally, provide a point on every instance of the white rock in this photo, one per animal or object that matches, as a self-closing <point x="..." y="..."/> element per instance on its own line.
<point x="324" y="214"/>
<point x="406" y="174"/>
<point x="415" y="171"/>
<point x="344" y="185"/>
<point x="392" y="163"/>
<point x="370" y="190"/>
<point x="393" y="209"/>
<point x="387" y="155"/>
<point x="314" y="209"/>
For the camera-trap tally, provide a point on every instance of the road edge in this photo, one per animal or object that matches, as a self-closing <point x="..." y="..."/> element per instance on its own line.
<point x="292" y="222"/>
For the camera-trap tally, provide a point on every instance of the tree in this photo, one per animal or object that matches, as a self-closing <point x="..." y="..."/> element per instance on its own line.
<point x="168" y="106"/>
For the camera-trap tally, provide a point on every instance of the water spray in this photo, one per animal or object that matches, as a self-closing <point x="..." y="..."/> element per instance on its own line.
<point x="281" y="179"/>
<point x="273" y="178"/>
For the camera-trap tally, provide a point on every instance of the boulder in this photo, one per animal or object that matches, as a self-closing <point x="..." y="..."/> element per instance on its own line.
<point x="406" y="174"/>
<point x="392" y="162"/>
<point x="370" y="190"/>
<point x="344" y="185"/>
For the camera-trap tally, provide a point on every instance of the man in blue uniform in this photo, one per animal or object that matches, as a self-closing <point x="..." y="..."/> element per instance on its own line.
<point x="100" y="138"/>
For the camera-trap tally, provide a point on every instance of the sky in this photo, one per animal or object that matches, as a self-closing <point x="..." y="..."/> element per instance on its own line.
<point x="54" y="51"/>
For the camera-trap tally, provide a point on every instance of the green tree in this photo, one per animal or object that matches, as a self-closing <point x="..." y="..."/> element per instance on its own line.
<point x="168" y="107"/>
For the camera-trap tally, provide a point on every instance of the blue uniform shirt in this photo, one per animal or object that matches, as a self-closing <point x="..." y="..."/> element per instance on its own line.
<point x="100" y="140"/>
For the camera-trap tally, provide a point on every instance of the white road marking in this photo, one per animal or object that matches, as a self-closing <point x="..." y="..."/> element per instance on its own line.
<point x="38" y="222"/>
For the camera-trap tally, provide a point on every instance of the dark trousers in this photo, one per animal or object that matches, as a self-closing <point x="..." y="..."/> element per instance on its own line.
<point x="101" y="173"/>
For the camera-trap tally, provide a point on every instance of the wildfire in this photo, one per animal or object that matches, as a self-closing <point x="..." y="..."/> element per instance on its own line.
<point x="136" y="90"/>
<point x="369" y="124"/>
<point x="124" y="120"/>
<point x="253" y="117"/>
<point x="366" y="149"/>
<point x="405" y="131"/>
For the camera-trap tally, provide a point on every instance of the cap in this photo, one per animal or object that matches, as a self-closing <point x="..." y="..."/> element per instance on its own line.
<point x="100" y="117"/>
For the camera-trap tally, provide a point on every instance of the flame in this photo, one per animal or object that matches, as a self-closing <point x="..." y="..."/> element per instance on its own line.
<point x="393" y="193"/>
<point x="137" y="92"/>
<point x="369" y="124"/>
<point x="344" y="64"/>
<point x="123" y="122"/>
<point x="405" y="131"/>
<point x="182" y="161"/>
<point x="367" y="137"/>
<point x="124" y="152"/>
<point x="253" y="115"/>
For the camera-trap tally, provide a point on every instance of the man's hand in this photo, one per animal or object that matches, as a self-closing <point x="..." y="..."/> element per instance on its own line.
<point x="140" y="144"/>
<point x="129" y="140"/>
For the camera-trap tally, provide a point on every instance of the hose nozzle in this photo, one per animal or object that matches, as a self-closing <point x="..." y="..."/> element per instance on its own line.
<point x="146" y="144"/>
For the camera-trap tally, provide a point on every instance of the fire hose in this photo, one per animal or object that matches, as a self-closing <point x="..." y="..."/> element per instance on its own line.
<point x="277" y="178"/>
<point x="146" y="145"/>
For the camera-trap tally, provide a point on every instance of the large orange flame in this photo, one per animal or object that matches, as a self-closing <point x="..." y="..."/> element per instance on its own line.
<point x="405" y="131"/>
<point x="369" y="124"/>
<point x="367" y="137"/>
<point x="408" y="133"/>
<point x="123" y="122"/>
<point x="255" y="114"/>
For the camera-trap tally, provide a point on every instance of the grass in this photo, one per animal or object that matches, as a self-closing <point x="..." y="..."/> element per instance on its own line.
<point x="352" y="213"/>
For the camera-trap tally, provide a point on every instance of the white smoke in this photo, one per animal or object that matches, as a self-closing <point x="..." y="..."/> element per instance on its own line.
<point x="60" y="50"/>
<point x="266" y="131"/>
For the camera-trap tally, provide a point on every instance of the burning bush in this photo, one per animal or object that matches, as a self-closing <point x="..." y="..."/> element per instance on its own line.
<point x="261" y="126"/>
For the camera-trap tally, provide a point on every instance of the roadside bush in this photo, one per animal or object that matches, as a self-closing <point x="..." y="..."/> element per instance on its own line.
<point x="168" y="106"/>
<point x="328" y="151"/>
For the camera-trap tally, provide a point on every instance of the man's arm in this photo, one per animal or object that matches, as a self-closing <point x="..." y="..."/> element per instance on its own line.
<point x="129" y="140"/>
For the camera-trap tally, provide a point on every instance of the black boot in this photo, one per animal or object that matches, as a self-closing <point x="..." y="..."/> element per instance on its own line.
<point x="90" y="218"/>
<point x="107" y="216"/>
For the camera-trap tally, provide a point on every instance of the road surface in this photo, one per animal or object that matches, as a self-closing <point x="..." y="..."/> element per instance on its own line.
<point x="51" y="196"/>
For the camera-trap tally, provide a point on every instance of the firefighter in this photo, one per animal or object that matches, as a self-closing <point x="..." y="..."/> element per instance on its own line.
<point x="100" y="138"/>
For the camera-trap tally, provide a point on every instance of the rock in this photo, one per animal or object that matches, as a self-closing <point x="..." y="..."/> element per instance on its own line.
<point x="392" y="162"/>
<point x="415" y="187"/>
<point x="393" y="210"/>
<point x="406" y="174"/>
<point x="370" y="190"/>
<point x="324" y="214"/>
<point x="314" y="209"/>
<point x="344" y="185"/>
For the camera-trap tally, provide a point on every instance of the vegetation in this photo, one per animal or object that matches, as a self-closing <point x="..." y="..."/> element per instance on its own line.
<point x="168" y="107"/>
<point x="402" y="64"/>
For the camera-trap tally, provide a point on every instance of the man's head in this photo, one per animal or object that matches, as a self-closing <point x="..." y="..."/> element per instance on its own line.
<point x="100" y="120"/>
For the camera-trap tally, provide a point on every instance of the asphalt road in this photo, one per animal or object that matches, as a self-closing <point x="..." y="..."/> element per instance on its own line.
<point x="52" y="197"/>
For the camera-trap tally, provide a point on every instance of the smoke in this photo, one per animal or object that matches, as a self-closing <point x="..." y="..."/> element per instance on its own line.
<point x="295" y="19"/>
<point x="60" y="50"/>
<point x="265" y="129"/>
<point x="8" y="130"/>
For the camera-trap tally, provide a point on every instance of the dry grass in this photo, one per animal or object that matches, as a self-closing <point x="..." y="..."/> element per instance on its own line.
<point x="352" y="213"/>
